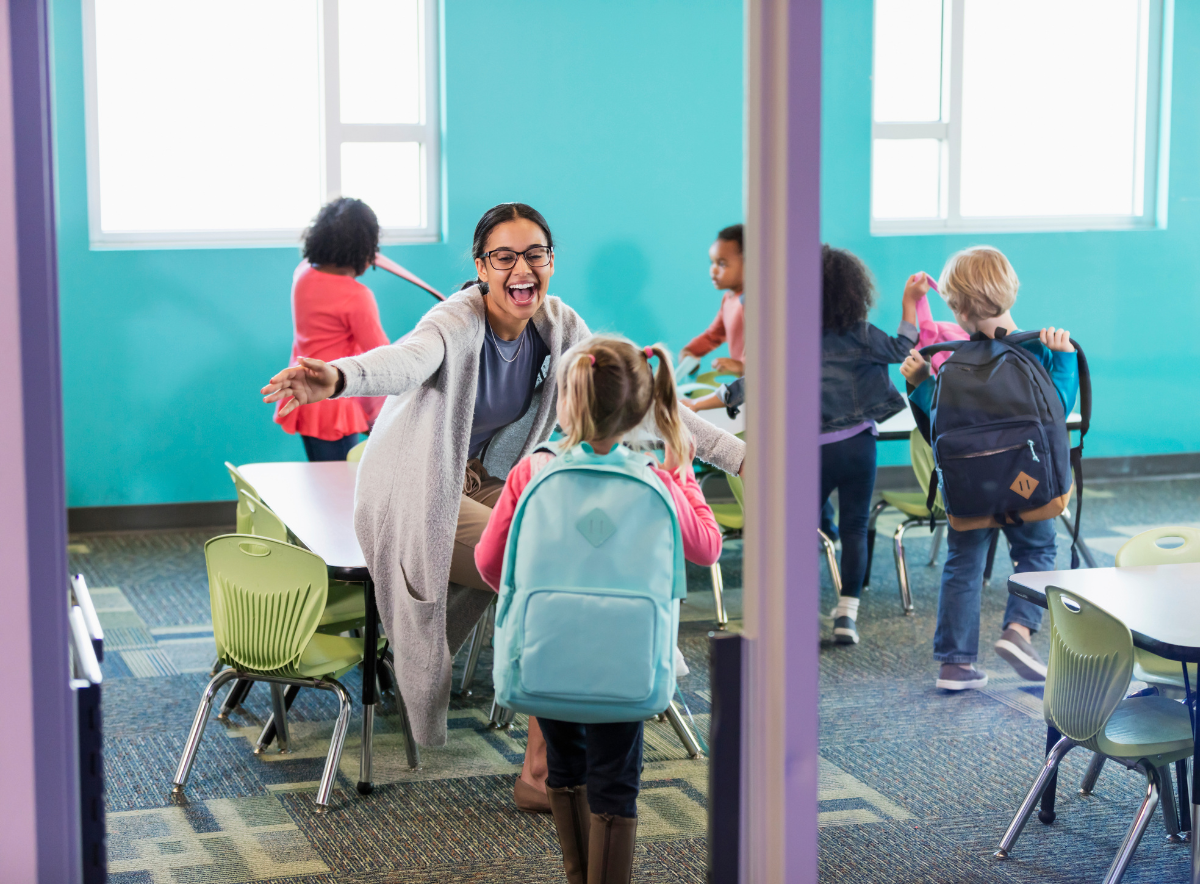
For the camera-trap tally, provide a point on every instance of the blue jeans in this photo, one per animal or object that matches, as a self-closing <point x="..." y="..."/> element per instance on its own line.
<point x="605" y="757"/>
<point x="323" y="449"/>
<point x="1032" y="546"/>
<point x="849" y="466"/>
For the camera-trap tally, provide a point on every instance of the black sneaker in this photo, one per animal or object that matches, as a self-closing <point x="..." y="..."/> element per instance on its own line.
<point x="844" y="632"/>
<point x="1020" y="655"/>
<point x="960" y="677"/>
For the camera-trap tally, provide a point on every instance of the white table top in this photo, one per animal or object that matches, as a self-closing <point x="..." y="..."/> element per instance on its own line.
<point x="315" y="501"/>
<point x="1159" y="603"/>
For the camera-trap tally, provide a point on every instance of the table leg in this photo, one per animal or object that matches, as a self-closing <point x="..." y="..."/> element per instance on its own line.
<point x="1047" y="814"/>
<point x="370" y="640"/>
<point x="1191" y="702"/>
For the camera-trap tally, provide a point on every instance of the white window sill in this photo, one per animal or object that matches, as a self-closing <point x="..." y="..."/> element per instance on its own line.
<point x="1062" y="224"/>
<point x="234" y="239"/>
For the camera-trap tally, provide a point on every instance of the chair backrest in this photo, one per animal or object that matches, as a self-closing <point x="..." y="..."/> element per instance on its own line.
<point x="267" y="599"/>
<point x="354" y="455"/>
<point x="263" y="521"/>
<point x="1091" y="662"/>
<point x="921" y="456"/>
<point x="240" y="483"/>
<point x="735" y="485"/>
<point x="1144" y="549"/>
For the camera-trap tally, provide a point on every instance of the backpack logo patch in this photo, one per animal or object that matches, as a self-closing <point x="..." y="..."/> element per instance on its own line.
<point x="596" y="526"/>
<point x="1024" y="484"/>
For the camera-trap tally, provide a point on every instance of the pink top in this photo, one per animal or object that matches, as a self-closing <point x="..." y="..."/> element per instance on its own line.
<point x="936" y="332"/>
<point x="728" y="326"/>
<point x="701" y="536"/>
<point x="334" y="316"/>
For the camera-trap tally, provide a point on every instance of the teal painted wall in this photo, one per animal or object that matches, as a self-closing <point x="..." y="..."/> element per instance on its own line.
<point x="1129" y="297"/>
<point x="621" y="122"/>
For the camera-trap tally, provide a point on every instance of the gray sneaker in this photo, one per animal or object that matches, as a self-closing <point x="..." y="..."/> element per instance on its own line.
<point x="844" y="632"/>
<point x="960" y="677"/>
<point x="1020" y="655"/>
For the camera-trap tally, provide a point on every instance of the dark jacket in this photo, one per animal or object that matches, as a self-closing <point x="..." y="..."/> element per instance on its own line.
<point x="855" y="386"/>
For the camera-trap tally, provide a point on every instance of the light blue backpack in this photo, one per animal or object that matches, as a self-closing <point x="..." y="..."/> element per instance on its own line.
<point x="588" y="616"/>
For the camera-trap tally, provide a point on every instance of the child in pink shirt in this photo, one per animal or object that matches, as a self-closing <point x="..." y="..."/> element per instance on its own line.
<point x="606" y="388"/>
<point x="725" y="256"/>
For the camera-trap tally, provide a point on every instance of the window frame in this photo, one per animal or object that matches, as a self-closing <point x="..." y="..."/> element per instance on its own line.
<point x="334" y="133"/>
<point x="1153" y="112"/>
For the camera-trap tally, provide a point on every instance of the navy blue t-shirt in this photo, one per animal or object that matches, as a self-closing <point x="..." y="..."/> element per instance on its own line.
<point x="505" y="388"/>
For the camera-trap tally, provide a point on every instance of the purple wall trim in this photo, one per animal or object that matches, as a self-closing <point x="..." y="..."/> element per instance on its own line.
<point x="803" y="426"/>
<point x="55" y="756"/>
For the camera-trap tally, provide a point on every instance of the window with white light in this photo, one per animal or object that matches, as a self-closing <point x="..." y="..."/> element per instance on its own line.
<point x="230" y="122"/>
<point x="1009" y="115"/>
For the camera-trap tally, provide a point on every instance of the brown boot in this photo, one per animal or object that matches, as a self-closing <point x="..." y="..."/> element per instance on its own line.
<point x="530" y="790"/>
<point x="573" y="821"/>
<point x="610" y="854"/>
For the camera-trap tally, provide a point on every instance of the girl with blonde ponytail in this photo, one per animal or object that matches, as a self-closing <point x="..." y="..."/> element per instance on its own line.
<point x="607" y="387"/>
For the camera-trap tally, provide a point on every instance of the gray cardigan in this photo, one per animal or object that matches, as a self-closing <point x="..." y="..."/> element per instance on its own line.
<point x="410" y="481"/>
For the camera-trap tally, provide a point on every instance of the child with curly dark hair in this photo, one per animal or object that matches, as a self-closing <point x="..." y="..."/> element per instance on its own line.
<point x="334" y="315"/>
<point x="856" y="393"/>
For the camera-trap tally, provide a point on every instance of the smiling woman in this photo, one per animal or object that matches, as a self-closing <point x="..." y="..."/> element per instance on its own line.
<point x="467" y="400"/>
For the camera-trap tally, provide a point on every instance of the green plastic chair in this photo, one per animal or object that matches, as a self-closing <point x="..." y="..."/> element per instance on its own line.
<point x="345" y="609"/>
<point x="240" y="483"/>
<point x="267" y="600"/>
<point x="731" y="516"/>
<point x="354" y="455"/>
<point x="1091" y="661"/>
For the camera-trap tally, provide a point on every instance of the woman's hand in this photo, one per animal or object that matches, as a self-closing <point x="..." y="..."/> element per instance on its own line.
<point x="1058" y="339"/>
<point x="671" y="465"/>
<point x="729" y="366"/>
<point x="310" y="381"/>
<point x="914" y="368"/>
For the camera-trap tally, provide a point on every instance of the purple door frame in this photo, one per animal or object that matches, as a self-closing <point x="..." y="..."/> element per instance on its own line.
<point x="39" y="823"/>
<point x="783" y="349"/>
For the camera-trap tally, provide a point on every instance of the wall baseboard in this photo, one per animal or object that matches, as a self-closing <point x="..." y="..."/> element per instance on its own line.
<point x="222" y="514"/>
<point x="217" y="514"/>
<point x="1095" y="469"/>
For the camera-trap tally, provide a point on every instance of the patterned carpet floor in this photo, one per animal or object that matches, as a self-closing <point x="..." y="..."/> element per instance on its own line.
<point x="916" y="785"/>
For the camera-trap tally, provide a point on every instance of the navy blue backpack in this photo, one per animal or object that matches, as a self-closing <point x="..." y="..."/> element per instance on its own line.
<point x="1002" y="453"/>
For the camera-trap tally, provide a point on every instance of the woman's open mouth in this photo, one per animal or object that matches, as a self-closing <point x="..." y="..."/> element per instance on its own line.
<point x="523" y="293"/>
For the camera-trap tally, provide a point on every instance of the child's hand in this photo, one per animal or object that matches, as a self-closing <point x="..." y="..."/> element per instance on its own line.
<point x="916" y="287"/>
<point x="914" y="368"/>
<point x="726" y="365"/>
<point x="671" y="465"/>
<point x="1058" y="339"/>
<point x="688" y="403"/>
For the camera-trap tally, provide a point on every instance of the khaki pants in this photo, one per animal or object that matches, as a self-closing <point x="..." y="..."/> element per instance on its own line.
<point x="468" y="600"/>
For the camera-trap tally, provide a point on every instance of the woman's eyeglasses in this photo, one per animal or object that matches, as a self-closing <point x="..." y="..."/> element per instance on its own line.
<point x="506" y="259"/>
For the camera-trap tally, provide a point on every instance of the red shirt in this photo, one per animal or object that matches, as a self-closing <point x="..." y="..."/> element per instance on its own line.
<point x="701" y="535"/>
<point x="728" y="326"/>
<point x="334" y="316"/>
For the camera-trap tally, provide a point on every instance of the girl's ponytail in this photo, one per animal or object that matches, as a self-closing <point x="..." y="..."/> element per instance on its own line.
<point x="579" y="400"/>
<point x="666" y="408"/>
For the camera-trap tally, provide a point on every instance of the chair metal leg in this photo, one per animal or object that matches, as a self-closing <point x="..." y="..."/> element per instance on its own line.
<point x="236" y="696"/>
<point x="718" y="583"/>
<point x="1137" y="829"/>
<point x="1092" y="774"/>
<point x="1181" y="783"/>
<point x="411" y="750"/>
<point x="1049" y="768"/>
<point x="336" y="742"/>
<point x="875" y="511"/>
<point x="1170" y="810"/>
<point x="368" y="742"/>
<point x="831" y="558"/>
<point x="279" y="715"/>
<point x="683" y="731"/>
<point x="478" y="636"/>
<point x="268" y="732"/>
<point x="902" y="566"/>
<point x="216" y="667"/>
<point x="936" y="544"/>
<point x="197" y="731"/>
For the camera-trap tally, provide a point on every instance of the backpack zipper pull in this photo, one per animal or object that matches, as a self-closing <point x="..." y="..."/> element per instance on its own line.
<point x="1034" y="453"/>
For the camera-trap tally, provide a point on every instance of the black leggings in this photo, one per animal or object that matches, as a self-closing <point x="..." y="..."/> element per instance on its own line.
<point x="605" y="757"/>
<point x="849" y="466"/>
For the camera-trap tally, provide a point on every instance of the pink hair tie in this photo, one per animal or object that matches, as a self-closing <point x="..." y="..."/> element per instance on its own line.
<point x="648" y="351"/>
<point x="592" y="356"/>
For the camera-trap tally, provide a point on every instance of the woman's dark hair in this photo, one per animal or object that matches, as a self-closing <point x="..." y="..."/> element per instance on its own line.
<point x="847" y="289"/>
<point x="345" y="233"/>
<point x="493" y="218"/>
<point x="732" y="233"/>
